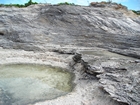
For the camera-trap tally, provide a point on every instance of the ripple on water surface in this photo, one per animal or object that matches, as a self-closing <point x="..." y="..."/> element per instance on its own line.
<point x="22" y="84"/>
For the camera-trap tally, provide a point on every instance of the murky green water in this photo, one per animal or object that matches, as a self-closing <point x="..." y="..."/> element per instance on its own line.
<point x="22" y="84"/>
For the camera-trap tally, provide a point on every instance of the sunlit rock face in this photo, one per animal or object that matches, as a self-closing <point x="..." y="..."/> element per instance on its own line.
<point x="38" y="26"/>
<point x="22" y="84"/>
<point x="50" y="34"/>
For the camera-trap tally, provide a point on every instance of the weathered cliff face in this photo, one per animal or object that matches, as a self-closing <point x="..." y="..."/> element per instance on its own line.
<point x="90" y="31"/>
<point x="68" y="25"/>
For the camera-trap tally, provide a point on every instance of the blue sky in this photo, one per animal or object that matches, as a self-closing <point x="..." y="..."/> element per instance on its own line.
<point x="131" y="4"/>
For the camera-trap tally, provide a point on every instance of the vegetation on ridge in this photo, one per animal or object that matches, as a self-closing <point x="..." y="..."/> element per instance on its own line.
<point x="96" y="4"/>
<point x="66" y="3"/>
<point x="136" y="12"/>
<point x="19" y="5"/>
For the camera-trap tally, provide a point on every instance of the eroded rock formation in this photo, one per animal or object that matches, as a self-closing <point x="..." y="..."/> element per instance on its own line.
<point x="122" y="82"/>
<point x="53" y="34"/>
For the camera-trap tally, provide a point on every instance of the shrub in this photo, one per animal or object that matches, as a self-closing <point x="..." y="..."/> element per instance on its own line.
<point x="19" y="5"/>
<point x="136" y="12"/>
<point x="1" y="5"/>
<point x="29" y="3"/>
<point x="66" y="3"/>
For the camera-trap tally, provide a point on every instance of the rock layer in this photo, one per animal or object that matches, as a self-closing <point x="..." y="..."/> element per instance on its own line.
<point x="56" y="32"/>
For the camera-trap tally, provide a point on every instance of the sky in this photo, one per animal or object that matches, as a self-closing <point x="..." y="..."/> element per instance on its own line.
<point x="131" y="4"/>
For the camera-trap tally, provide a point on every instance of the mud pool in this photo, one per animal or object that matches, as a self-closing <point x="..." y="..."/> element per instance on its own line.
<point x="22" y="84"/>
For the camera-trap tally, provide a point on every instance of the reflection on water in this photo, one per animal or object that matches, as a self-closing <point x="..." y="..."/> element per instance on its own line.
<point x="22" y="84"/>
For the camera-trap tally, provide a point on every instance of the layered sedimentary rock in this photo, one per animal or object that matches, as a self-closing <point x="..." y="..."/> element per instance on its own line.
<point x="108" y="39"/>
